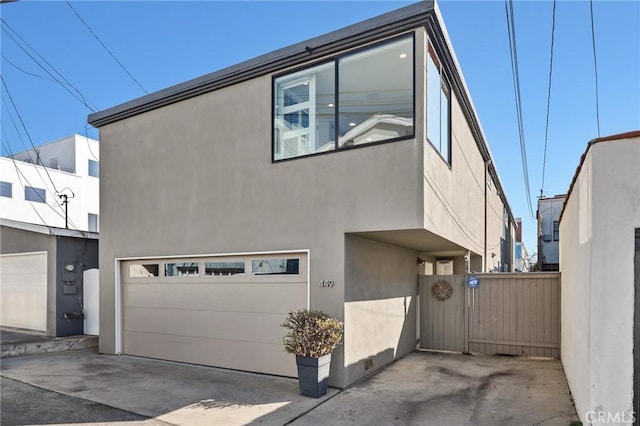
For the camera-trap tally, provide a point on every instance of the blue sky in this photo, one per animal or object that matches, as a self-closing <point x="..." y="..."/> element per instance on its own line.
<point x="165" y="43"/>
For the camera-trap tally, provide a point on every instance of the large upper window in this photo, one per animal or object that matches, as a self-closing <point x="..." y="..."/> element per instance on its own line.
<point x="438" y="106"/>
<point x="35" y="194"/>
<point x="369" y="94"/>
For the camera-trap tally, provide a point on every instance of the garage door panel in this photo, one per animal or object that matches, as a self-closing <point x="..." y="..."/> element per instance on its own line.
<point x="246" y="326"/>
<point x="226" y="321"/>
<point x="243" y="297"/>
<point x="23" y="293"/>
<point x="248" y="356"/>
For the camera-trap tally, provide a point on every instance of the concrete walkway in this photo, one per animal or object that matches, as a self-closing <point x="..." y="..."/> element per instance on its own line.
<point x="422" y="388"/>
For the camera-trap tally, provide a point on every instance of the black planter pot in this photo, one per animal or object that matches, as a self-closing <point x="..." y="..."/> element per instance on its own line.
<point x="313" y="375"/>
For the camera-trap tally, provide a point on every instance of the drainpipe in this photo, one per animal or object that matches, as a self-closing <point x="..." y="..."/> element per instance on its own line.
<point x="486" y="170"/>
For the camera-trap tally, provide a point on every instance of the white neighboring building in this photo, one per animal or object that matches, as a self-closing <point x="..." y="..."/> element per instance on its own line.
<point x="522" y="258"/>
<point x="549" y="232"/>
<point x="32" y="181"/>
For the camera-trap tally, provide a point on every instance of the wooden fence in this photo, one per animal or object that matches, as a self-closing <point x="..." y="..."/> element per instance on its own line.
<point x="515" y="314"/>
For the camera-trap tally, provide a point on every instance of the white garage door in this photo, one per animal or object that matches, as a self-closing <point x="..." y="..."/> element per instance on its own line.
<point x="219" y="311"/>
<point x="23" y="292"/>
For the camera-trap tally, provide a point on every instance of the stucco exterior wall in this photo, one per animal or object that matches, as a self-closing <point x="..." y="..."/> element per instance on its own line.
<point x="575" y="266"/>
<point x="454" y="195"/>
<point x="198" y="180"/>
<point x="596" y="254"/>
<point x="380" y="304"/>
<point x="227" y="196"/>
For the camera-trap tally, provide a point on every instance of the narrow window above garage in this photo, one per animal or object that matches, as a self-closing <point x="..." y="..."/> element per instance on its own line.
<point x="358" y="98"/>
<point x="438" y="107"/>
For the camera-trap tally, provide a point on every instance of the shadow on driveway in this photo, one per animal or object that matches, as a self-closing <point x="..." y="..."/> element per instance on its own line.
<point x="420" y="389"/>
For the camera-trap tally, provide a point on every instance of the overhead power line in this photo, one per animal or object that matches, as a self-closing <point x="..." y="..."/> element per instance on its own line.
<point x="21" y="43"/>
<point x="546" y="127"/>
<point x="513" y="50"/>
<point x="595" y="65"/>
<point x="105" y="47"/>
<point x="25" y="71"/>
<point x="5" y="143"/>
<point x="27" y="132"/>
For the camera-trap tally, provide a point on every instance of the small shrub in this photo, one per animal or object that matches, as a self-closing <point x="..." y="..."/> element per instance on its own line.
<point x="311" y="333"/>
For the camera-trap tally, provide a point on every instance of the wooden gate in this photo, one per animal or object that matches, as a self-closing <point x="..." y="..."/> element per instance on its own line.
<point x="515" y="314"/>
<point x="442" y="322"/>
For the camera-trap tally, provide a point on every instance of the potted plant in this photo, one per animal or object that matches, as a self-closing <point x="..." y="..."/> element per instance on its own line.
<point x="312" y="337"/>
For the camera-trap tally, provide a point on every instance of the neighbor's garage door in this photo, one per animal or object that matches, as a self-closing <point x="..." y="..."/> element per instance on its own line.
<point x="219" y="311"/>
<point x="23" y="292"/>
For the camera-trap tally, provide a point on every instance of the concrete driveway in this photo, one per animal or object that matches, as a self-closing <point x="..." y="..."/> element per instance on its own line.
<point x="422" y="388"/>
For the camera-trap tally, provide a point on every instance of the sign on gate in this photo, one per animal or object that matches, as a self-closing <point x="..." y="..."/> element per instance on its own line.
<point x="473" y="282"/>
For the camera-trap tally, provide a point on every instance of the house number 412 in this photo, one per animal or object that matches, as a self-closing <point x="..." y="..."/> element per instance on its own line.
<point x="326" y="283"/>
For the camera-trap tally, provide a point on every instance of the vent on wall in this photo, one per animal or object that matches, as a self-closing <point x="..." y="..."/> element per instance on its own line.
<point x="444" y="267"/>
<point x="368" y="364"/>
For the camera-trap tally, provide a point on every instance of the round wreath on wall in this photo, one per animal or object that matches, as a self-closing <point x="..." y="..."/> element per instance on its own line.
<point x="441" y="290"/>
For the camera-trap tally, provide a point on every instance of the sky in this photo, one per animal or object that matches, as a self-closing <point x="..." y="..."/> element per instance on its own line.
<point x="168" y="42"/>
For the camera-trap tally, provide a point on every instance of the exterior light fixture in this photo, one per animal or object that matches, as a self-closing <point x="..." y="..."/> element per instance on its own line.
<point x="403" y="55"/>
<point x="352" y="124"/>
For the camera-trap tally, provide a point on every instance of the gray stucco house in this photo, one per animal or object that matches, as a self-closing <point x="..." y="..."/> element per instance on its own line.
<point x="328" y="174"/>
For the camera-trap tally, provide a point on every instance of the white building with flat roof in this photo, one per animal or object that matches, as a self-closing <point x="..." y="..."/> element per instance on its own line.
<point x="34" y="184"/>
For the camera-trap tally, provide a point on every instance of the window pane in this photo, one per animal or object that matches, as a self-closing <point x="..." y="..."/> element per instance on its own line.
<point x="93" y="222"/>
<point x="219" y="269"/>
<point x="276" y="267"/>
<point x="146" y="270"/>
<point x="438" y="105"/>
<point x="6" y="189"/>
<point x="444" y="121"/>
<point x="304" y="121"/>
<point x="35" y="194"/>
<point x="433" y="103"/>
<point x="376" y="94"/>
<point x="182" y="269"/>
<point x="94" y="168"/>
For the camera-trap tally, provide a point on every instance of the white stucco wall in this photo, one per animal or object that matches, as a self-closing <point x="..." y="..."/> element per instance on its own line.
<point x="596" y="255"/>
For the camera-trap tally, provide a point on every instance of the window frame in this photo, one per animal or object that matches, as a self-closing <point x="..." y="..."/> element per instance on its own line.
<point x="97" y="219"/>
<point x="555" y="230"/>
<point x="40" y="199"/>
<point x="163" y="270"/>
<point x="144" y="265"/>
<point x="431" y="53"/>
<point x="97" y="163"/>
<point x="223" y="260"/>
<point x="335" y="59"/>
<point x="275" y="274"/>
<point x="9" y="185"/>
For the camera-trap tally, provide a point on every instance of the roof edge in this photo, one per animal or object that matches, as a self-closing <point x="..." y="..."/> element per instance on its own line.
<point x="618" y="136"/>
<point x="386" y="25"/>
<point x="48" y="230"/>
